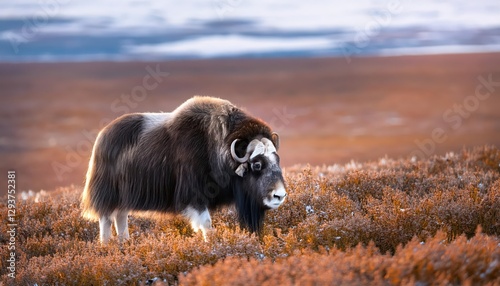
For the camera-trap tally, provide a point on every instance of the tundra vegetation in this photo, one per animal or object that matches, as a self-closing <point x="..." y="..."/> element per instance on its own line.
<point x="390" y="222"/>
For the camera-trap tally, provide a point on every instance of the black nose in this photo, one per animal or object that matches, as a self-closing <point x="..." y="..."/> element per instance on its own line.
<point x="280" y="197"/>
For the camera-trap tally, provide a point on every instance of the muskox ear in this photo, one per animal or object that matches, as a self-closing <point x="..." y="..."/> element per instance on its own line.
<point x="276" y="140"/>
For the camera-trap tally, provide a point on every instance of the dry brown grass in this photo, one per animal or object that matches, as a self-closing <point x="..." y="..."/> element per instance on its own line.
<point x="389" y="222"/>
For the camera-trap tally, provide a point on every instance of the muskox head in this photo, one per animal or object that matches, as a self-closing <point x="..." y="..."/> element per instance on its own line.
<point x="260" y="171"/>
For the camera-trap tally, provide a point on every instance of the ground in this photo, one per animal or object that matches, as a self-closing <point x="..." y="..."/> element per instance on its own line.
<point x="431" y="221"/>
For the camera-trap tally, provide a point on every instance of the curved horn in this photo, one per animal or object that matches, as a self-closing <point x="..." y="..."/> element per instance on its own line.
<point x="256" y="147"/>
<point x="269" y="145"/>
<point x="233" y="153"/>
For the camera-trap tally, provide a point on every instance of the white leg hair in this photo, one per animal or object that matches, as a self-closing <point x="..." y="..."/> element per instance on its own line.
<point x="105" y="228"/>
<point x="121" y="224"/>
<point x="199" y="220"/>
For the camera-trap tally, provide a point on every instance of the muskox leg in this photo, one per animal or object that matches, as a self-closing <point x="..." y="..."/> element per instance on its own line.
<point x="121" y="224"/>
<point x="105" y="228"/>
<point x="200" y="220"/>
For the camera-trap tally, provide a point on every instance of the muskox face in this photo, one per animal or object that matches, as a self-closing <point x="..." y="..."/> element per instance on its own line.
<point x="260" y="170"/>
<point x="265" y="175"/>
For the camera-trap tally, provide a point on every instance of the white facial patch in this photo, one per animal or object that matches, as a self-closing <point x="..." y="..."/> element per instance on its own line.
<point x="277" y="196"/>
<point x="153" y="120"/>
<point x="199" y="220"/>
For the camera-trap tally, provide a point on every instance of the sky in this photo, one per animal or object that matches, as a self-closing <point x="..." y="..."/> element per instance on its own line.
<point x="75" y="30"/>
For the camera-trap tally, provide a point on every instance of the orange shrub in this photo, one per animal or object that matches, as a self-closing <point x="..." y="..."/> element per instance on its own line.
<point x="352" y="224"/>
<point x="435" y="262"/>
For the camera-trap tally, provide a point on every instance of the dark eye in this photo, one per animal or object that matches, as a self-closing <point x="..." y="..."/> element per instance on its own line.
<point x="257" y="166"/>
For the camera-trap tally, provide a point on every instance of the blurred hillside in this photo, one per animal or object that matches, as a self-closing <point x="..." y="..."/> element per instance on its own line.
<point x="327" y="111"/>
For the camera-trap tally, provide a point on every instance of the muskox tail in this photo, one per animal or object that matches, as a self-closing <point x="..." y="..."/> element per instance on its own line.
<point x="100" y="195"/>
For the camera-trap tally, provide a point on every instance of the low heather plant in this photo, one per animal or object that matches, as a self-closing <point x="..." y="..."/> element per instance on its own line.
<point x="390" y="222"/>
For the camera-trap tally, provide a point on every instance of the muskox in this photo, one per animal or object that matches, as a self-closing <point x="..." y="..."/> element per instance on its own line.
<point x="205" y="154"/>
